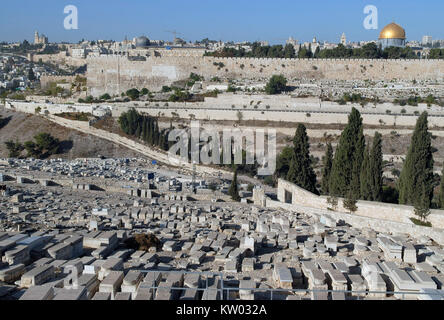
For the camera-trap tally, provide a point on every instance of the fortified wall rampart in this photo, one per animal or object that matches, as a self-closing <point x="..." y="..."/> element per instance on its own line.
<point x="114" y="74"/>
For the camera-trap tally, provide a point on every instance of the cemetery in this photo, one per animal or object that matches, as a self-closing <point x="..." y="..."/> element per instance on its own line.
<point x="133" y="238"/>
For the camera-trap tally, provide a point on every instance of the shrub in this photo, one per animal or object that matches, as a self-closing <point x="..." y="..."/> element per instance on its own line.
<point x="143" y="242"/>
<point x="276" y="84"/>
<point x="133" y="94"/>
<point x="268" y="180"/>
<point x="105" y="96"/>
<point x="166" y="89"/>
<point x="421" y="223"/>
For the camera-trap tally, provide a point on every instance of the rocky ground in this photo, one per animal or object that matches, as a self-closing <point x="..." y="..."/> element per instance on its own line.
<point x="22" y="127"/>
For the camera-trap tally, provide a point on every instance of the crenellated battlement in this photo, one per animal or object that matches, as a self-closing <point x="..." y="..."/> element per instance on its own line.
<point x="115" y="74"/>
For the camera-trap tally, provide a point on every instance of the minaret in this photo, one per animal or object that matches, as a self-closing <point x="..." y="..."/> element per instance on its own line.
<point x="36" y="37"/>
<point x="344" y="39"/>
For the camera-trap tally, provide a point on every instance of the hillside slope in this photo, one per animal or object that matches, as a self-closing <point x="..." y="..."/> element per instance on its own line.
<point x="22" y="127"/>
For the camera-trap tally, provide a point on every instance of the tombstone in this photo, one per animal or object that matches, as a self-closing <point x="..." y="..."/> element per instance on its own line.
<point x="248" y="243"/>
<point x="409" y="254"/>
<point x="112" y="283"/>
<point x="38" y="293"/>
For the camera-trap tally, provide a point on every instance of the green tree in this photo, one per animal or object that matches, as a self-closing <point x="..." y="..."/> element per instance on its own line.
<point x="31" y="75"/>
<point x="276" y="84"/>
<point x="43" y="146"/>
<point x="283" y="162"/>
<point x="289" y="51"/>
<point x="233" y="190"/>
<point x="376" y="169"/>
<point x="416" y="180"/>
<point x="366" y="179"/>
<point x="32" y="150"/>
<point x="105" y="96"/>
<point x="300" y="171"/>
<point x="133" y="94"/>
<point x="350" y="202"/>
<point x="422" y="203"/>
<point x="347" y="162"/>
<point x="327" y="162"/>
<point x="441" y="191"/>
<point x="15" y="148"/>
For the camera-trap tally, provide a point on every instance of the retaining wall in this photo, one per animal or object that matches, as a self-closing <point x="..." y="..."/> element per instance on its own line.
<point x="374" y="210"/>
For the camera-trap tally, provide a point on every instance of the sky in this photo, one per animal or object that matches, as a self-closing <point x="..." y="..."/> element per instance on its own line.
<point x="226" y="20"/>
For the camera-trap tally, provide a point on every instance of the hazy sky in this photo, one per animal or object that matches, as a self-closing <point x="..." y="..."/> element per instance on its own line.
<point x="236" y="20"/>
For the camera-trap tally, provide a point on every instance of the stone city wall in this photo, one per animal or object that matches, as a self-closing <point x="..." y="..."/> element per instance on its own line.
<point x="115" y="74"/>
<point x="60" y="58"/>
<point x="375" y="210"/>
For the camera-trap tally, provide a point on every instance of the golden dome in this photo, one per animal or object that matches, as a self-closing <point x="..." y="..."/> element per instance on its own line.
<point x="392" y="31"/>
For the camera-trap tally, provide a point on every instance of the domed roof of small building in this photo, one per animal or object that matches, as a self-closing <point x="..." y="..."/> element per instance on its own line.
<point x="142" y="41"/>
<point x="392" y="31"/>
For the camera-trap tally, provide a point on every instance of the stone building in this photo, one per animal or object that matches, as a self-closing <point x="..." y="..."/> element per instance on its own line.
<point x="40" y="39"/>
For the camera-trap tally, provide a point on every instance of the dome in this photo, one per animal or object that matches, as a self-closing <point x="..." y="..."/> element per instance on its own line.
<point x="392" y="31"/>
<point x="142" y="42"/>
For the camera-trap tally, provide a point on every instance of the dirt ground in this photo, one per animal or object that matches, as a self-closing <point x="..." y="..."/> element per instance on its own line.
<point x="23" y="127"/>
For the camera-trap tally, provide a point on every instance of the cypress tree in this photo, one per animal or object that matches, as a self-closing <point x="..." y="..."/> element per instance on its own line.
<point x="422" y="202"/>
<point x="138" y="128"/>
<point x="150" y="131"/>
<point x="350" y="201"/>
<point x="144" y="129"/>
<point x="366" y="179"/>
<point x="156" y="133"/>
<point x="233" y="191"/>
<point x="346" y="168"/>
<point x="327" y="161"/>
<point x="416" y="180"/>
<point x="376" y="170"/>
<point x="441" y="191"/>
<point x="301" y="172"/>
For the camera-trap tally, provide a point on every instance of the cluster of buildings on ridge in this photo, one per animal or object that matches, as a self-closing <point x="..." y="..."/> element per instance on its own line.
<point x="391" y="35"/>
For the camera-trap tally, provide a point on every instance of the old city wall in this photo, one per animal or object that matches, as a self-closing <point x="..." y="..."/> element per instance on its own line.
<point x="116" y="74"/>
<point x="60" y="58"/>
<point x="375" y="210"/>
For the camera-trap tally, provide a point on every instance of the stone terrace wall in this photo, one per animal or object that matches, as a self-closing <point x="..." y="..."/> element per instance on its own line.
<point x="49" y="108"/>
<point x="375" y="210"/>
<point x="116" y="74"/>
<point x="384" y="226"/>
<point x="45" y="80"/>
<point x="185" y="112"/>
